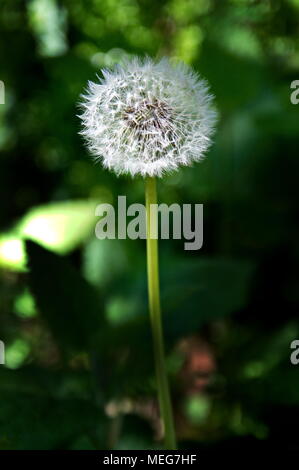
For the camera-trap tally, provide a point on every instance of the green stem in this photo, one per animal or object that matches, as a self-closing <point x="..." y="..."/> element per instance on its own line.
<point x="155" y="314"/>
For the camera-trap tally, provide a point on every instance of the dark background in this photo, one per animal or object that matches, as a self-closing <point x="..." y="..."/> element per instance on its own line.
<point x="79" y="372"/>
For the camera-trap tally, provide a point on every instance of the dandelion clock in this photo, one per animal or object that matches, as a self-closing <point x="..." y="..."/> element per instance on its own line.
<point x="148" y="118"/>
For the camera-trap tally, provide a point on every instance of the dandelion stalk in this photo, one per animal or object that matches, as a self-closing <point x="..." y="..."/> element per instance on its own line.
<point x="155" y="314"/>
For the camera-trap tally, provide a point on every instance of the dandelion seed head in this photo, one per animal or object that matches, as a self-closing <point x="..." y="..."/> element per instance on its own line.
<point x="145" y="117"/>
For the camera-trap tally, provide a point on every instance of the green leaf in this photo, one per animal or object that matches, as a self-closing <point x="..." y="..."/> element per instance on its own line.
<point x="199" y="291"/>
<point x="12" y="253"/>
<point x="45" y="423"/>
<point x="70" y="305"/>
<point x="61" y="226"/>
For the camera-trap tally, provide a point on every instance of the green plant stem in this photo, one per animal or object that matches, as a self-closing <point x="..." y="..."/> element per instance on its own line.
<point x="155" y="315"/>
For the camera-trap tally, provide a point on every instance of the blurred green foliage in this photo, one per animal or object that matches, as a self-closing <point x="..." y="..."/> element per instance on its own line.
<point x="79" y="372"/>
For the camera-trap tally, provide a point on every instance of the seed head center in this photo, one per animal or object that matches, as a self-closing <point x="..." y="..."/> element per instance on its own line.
<point x="148" y="116"/>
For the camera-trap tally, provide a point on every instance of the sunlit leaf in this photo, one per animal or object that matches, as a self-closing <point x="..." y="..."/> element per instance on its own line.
<point x="12" y="253"/>
<point x="61" y="226"/>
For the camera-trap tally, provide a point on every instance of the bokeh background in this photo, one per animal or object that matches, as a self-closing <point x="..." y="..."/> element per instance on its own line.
<point x="73" y="317"/>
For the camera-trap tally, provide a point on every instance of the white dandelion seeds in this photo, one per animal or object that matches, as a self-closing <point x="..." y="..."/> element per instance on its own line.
<point x="145" y="117"/>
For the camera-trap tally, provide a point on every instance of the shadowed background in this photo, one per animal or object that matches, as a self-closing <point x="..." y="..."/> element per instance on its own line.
<point x="73" y="311"/>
